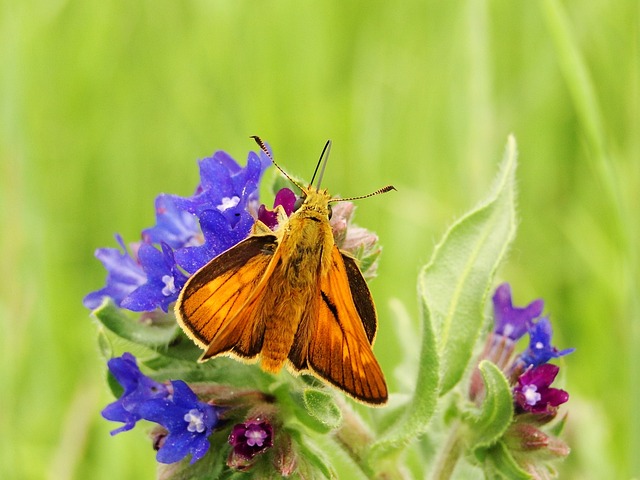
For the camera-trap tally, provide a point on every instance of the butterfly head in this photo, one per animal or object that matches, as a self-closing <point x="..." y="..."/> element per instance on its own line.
<point x="314" y="198"/>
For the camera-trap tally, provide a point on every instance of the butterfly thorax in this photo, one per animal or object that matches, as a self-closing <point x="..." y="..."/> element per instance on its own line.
<point x="305" y="256"/>
<point x="307" y="240"/>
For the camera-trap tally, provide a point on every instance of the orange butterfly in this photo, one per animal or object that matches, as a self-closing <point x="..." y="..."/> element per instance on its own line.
<point x="292" y="298"/>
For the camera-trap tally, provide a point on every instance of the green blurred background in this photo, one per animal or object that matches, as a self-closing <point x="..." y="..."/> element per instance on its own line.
<point x="105" y="104"/>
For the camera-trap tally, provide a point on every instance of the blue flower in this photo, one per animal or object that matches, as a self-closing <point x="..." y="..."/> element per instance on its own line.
<point x="220" y="213"/>
<point x="188" y="421"/>
<point x="164" y="280"/>
<point x="124" y="275"/>
<point x="219" y="236"/>
<point x="225" y="203"/>
<point x="138" y="389"/>
<point x="540" y="349"/>
<point x="511" y="321"/>
<point x="174" y="226"/>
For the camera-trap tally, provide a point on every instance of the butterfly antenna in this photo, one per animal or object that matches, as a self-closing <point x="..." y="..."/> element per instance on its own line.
<point x="266" y="151"/>
<point x="326" y="149"/>
<point x="386" y="189"/>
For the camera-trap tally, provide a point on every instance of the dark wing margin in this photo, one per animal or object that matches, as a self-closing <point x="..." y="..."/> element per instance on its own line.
<point x="361" y="297"/>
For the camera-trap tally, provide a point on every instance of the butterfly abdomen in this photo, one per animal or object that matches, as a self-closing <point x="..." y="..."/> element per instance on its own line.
<point x="293" y="285"/>
<point x="281" y="325"/>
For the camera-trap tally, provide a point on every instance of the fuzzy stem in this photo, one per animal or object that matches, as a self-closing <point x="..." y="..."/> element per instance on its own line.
<point x="449" y="455"/>
<point x="354" y="437"/>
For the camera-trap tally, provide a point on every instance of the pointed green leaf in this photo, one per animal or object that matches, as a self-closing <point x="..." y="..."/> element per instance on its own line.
<point x="130" y="329"/>
<point x="312" y="461"/>
<point x="456" y="280"/>
<point x="417" y="413"/>
<point x="497" y="408"/>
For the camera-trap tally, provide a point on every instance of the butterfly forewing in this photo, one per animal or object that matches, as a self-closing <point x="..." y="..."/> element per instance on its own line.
<point x="219" y="291"/>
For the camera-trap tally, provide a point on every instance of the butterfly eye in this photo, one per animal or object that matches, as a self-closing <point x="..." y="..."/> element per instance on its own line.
<point x="330" y="211"/>
<point x="298" y="204"/>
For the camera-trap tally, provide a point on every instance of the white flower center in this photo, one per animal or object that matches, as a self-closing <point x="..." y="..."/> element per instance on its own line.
<point x="255" y="437"/>
<point x="539" y="345"/>
<point x="195" y="420"/>
<point x="169" y="286"/>
<point x="228" y="203"/>
<point x="508" y="330"/>
<point x="531" y="394"/>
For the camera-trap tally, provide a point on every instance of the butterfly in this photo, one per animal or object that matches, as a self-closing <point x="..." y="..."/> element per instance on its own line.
<point x="289" y="297"/>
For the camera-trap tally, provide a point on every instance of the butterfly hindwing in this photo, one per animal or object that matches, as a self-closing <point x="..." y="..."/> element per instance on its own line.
<point x="339" y="348"/>
<point x="219" y="295"/>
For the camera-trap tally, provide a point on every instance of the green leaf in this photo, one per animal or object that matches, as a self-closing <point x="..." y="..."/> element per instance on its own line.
<point x="130" y="329"/>
<point x="321" y="405"/>
<point x="312" y="462"/>
<point x="499" y="464"/>
<point x="344" y="464"/>
<point x="497" y="409"/>
<point x="456" y="280"/>
<point x="418" y="411"/>
<point x="293" y="400"/>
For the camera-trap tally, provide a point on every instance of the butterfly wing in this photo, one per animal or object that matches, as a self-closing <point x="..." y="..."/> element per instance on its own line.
<point x="337" y="333"/>
<point x="216" y="304"/>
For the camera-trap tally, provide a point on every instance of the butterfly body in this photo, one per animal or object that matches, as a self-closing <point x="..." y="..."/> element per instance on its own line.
<point x="303" y="258"/>
<point x="289" y="297"/>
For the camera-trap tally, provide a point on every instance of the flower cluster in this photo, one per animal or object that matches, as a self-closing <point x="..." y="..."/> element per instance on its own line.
<point x="188" y="421"/>
<point x="529" y="371"/>
<point x="231" y="415"/>
<point x="147" y="276"/>
<point x="530" y="375"/>
<point x="188" y="233"/>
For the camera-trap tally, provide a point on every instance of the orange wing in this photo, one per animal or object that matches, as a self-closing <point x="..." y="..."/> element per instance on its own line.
<point x="215" y="306"/>
<point x="337" y="338"/>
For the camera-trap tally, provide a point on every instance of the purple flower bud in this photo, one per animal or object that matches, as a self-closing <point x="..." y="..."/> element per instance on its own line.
<point x="533" y="393"/>
<point x="284" y="198"/>
<point x="251" y="438"/>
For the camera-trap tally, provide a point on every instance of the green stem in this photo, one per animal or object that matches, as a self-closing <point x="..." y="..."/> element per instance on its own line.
<point x="448" y="458"/>
<point x="354" y="437"/>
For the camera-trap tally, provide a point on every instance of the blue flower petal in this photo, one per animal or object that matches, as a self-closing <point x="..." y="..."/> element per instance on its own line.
<point x="138" y="389"/>
<point x="174" y="226"/>
<point x="164" y="280"/>
<point x="540" y="350"/>
<point x="513" y="321"/>
<point x="173" y="414"/>
<point x="219" y="236"/>
<point x="124" y="275"/>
